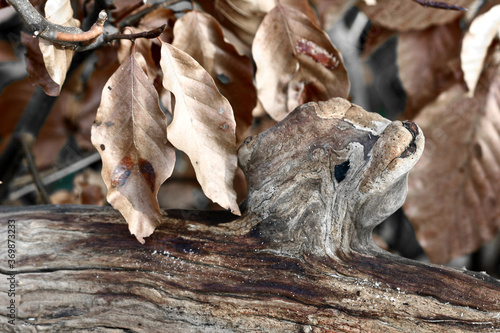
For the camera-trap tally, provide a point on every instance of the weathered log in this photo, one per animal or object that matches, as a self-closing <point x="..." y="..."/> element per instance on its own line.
<point x="300" y="258"/>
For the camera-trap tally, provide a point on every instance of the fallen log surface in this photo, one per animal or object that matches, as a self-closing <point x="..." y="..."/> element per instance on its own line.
<point x="300" y="258"/>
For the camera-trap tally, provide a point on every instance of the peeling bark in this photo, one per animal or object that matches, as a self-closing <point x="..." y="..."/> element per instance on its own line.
<point x="300" y="258"/>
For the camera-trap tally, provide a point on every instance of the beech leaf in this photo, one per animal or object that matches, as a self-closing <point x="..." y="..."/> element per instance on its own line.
<point x="129" y="132"/>
<point x="475" y="45"/>
<point x="36" y="67"/>
<point x="429" y="63"/>
<point x="296" y="63"/>
<point x="453" y="198"/>
<point x="405" y="15"/>
<point x="56" y="59"/>
<point x="203" y="125"/>
<point x="200" y="35"/>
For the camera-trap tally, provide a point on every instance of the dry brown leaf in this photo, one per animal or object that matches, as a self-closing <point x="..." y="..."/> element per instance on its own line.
<point x="7" y="52"/>
<point x="200" y="35"/>
<point x="157" y="18"/>
<point x="453" y="199"/>
<point x="56" y="59"/>
<point x="429" y="63"/>
<point x="130" y="134"/>
<point x="203" y="125"/>
<point x="296" y="63"/>
<point x="475" y="45"/>
<point x="404" y="15"/>
<point x="36" y="67"/>
<point x="243" y="17"/>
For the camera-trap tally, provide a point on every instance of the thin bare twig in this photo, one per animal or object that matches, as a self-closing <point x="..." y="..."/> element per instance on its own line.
<point x="74" y="38"/>
<point x="56" y="175"/>
<point x="439" y="5"/>
<point x="27" y="141"/>
<point x="145" y="34"/>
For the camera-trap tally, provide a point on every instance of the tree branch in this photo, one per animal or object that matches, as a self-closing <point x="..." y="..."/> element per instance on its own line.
<point x="59" y="34"/>
<point x="74" y="38"/>
<point x="93" y="33"/>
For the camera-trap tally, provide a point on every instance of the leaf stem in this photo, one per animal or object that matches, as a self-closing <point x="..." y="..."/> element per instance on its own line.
<point x="145" y="34"/>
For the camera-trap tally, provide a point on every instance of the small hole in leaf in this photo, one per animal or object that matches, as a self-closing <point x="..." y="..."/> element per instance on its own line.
<point x="102" y="147"/>
<point x="109" y="88"/>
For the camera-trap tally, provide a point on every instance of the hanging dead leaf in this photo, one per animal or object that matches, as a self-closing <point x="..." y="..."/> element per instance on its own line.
<point x="429" y="63"/>
<point x="404" y="15"/>
<point x="453" y="191"/>
<point x="200" y="35"/>
<point x="475" y="45"/>
<point x="296" y="63"/>
<point x="130" y="134"/>
<point x="36" y="67"/>
<point x="56" y="59"/>
<point x="203" y="125"/>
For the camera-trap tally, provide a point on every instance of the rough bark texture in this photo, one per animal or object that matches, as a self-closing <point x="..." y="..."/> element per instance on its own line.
<point x="300" y="258"/>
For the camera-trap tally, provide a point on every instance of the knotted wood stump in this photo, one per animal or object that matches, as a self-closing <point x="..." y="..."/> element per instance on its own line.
<point x="301" y="258"/>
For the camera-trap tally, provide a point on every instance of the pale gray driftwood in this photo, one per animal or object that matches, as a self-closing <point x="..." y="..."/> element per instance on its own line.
<point x="300" y="259"/>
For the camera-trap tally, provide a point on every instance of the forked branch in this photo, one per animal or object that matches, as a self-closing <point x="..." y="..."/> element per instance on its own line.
<point x="70" y="37"/>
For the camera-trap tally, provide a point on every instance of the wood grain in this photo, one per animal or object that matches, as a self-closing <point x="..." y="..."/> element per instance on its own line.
<point x="280" y="267"/>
